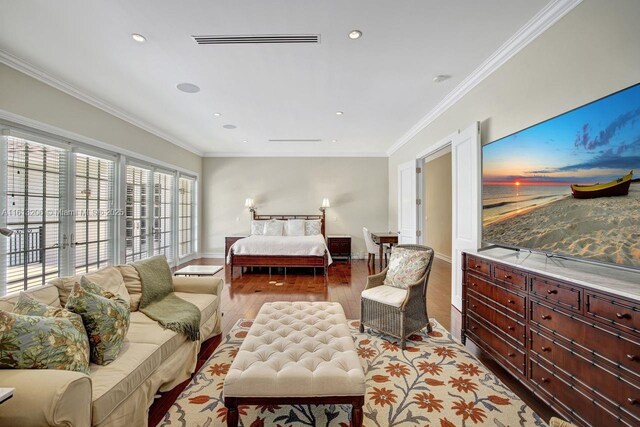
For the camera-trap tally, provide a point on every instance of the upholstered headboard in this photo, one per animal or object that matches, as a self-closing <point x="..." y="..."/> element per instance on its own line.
<point x="321" y="217"/>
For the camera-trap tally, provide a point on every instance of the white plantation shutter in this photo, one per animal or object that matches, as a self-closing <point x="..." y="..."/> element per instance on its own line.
<point x="186" y="213"/>
<point x="137" y="213"/>
<point x="163" y="196"/>
<point x="32" y="202"/>
<point x="94" y="212"/>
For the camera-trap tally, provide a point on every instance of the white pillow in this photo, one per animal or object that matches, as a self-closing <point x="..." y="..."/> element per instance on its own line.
<point x="296" y="227"/>
<point x="312" y="227"/>
<point x="273" y="228"/>
<point x="257" y="227"/>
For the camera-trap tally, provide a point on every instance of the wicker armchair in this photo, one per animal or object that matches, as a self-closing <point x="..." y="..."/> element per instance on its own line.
<point x="399" y="318"/>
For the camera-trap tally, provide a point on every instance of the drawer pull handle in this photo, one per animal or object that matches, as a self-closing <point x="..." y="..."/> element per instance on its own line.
<point x="511" y="301"/>
<point x="508" y="277"/>
<point x="632" y="401"/>
<point x="546" y="317"/>
<point x="474" y="328"/>
<point x="544" y="380"/>
<point x="474" y="306"/>
<point x="511" y="355"/>
<point x="511" y="328"/>
<point x="623" y="315"/>
<point x="478" y="266"/>
<point x="474" y="284"/>
<point x="552" y="291"/>
<point x="632" y="357"/>
<point x="546" y="349"/>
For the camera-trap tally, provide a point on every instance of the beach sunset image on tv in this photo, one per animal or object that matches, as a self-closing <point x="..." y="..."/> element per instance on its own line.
<point x="569" y="185"/>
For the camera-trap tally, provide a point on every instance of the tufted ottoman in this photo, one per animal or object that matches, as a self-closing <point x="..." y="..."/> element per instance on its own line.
<point x="296" y="353"/>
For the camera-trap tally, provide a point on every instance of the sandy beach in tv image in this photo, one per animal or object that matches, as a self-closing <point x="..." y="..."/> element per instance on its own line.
<point x="569" y="185"/>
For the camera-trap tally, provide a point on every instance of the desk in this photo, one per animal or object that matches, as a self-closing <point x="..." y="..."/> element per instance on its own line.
<point x="382" y="239"/>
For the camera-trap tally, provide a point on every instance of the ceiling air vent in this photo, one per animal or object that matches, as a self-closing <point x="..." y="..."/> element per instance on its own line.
<point x="257" y="39"/>
<point x="295" y="140"/>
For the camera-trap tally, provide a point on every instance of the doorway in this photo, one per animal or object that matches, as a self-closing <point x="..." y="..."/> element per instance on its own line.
<point x="436" y="198"/>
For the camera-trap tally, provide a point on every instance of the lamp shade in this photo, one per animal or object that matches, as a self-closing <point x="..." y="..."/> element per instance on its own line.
<point x="248" y="203"/>
<point x="325" y="203"/>
<point x="6" y="232"/>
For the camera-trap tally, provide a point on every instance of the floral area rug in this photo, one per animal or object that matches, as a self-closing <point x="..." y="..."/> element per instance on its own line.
<point x="434" y="382"/>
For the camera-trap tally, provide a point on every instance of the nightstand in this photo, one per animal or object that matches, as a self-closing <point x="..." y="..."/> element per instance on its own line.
<point x="230" y="240"/>
<point x="339" y="246"/>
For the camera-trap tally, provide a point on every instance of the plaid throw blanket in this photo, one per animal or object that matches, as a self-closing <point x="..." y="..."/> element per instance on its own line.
<point x="160" y="303"/>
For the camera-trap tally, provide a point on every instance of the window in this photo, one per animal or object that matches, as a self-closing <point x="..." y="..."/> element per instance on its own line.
<point x="94" y="213"/>
<point x="186" y="214"/>
<point x="163" y="193"/>
<point x="32" y="205"/>
<point x="136" y="213"/>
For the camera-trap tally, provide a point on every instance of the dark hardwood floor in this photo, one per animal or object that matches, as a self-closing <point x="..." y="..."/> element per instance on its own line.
<point x="243" y="295"/>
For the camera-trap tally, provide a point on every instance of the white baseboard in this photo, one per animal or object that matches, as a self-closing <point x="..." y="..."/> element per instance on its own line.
<point x="443" y="257"/>
<point x="212" y="255"/>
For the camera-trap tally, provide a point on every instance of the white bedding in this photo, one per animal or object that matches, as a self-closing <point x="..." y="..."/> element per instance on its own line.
<point x="281" y="245"/>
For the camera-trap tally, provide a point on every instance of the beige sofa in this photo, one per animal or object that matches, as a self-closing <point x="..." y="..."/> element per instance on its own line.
<point x="118" y="394"/>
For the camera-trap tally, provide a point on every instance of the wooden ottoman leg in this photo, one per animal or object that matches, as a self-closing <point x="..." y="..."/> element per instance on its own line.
<point x="232" y="411"/>
<point x="356" y="412"/>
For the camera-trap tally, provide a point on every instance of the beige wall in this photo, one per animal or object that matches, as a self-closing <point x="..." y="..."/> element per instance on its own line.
<point x="591" y="52"/>
<point x="437" y="204"/>
<point x="356" y="187"/>
<point x="30" y="98"/>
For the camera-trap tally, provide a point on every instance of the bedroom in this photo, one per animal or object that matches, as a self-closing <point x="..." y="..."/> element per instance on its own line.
<point x="190" y="139"/>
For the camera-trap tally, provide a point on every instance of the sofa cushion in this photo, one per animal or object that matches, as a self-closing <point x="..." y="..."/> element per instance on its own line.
<point x="38" y="342"/>
<point x="112" y="384"/>
<point x="152" y="333"/>
<point x="110" y="279"/>
<point x="133" y="284"/>
<point x="206" y="303"/>
<point x="105" y="320"/>
<point x="389" y="295"/>
<point x="64" y="285"/>
<point x="47" y="294"/>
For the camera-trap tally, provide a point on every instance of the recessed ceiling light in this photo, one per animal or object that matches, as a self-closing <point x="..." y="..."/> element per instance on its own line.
<point x="441" y="77"/>
<point x="245" y="141"/>
<point x="217" y="114"/>
<point x="355" y="34"/>
<point x="188" y="87"/>
<point x="229" y="126"/>
<point x="138" y="37"/>
<point x="339" y="113"/>
<point x="334" y="140"/>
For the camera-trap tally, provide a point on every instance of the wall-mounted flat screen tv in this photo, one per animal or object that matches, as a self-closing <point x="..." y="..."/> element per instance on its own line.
<point x="569" y="185"/>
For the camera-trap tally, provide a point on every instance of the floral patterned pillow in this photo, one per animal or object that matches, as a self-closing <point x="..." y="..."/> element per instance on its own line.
<point x="94" y="288"/>
<point x="38" y="342"/>
<point x="406" y="266"/>
<point x="312" y="227"/>
<point x="26" y="304"/>
<point x="106" y="321"/>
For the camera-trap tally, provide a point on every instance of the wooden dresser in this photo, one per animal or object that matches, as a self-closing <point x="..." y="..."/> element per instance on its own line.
<point x="575" y="346"/>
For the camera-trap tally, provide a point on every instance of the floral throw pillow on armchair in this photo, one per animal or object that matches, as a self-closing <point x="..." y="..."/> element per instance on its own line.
<point x="406" y="266"/>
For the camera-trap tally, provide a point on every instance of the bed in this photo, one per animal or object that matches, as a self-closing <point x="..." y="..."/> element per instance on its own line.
<point x="282" y="251"/>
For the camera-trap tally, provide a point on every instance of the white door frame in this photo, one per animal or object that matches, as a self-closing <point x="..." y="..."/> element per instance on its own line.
<point x="420" y="162"/>
<point x="412" y="165"/>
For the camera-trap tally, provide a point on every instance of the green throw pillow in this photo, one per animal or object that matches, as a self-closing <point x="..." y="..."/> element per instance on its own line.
<point x="106" y="321"/>
<point x="37" y="342"/>
<point x="28" y="305"/>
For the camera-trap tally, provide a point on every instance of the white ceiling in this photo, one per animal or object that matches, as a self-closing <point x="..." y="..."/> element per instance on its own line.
<point x="382" y="82"/>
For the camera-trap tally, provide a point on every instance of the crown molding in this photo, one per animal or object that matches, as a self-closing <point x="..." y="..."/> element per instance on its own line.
<point x="38" y="74"/>
<point x="544" y="19"/>
<point x="293" y="154"/>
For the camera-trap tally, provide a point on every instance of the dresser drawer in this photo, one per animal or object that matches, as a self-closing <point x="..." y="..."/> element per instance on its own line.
<point x="611" y="347"/>
<point x="509" y="326"/>
<point x="563" y="295"/>
<point x="512" y="277"/>
<point x="509" y="300"/>
<point x="505" y="351"/>
<point x="478" y="266"/>
<point x="574" y="401"/>
<point x="605" y="382"/>
<point x="617" y="313"/>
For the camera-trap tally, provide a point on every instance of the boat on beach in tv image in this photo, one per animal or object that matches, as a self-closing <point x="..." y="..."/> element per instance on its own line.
<point x="569" y="185"/>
